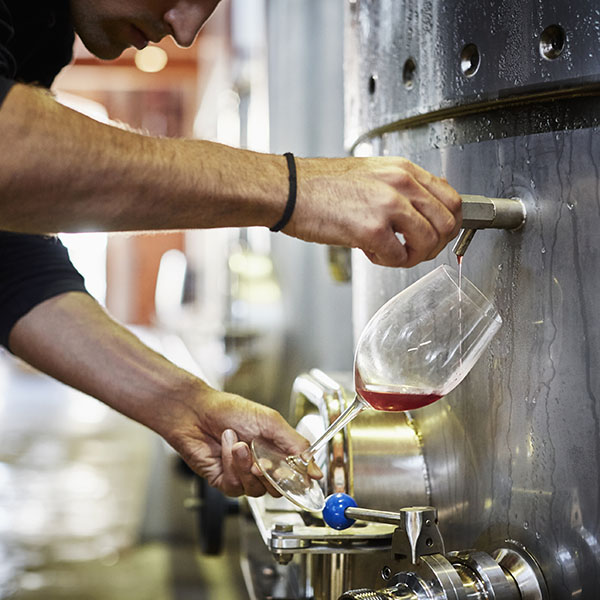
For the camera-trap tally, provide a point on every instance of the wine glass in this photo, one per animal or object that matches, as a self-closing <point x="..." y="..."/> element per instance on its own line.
<point x="416" y="348"/>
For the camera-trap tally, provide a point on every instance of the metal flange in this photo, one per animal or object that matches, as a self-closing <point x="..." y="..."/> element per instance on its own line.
<point x="523" y="568"/>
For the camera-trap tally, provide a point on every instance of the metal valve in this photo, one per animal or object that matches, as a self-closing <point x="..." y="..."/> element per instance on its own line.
<point x="420" y="568"/>
<point x="417" y="532"/>
<point x="480" y="212"/>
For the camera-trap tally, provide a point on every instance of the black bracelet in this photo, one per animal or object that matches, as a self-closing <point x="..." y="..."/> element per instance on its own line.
<point x="291" y="201"/>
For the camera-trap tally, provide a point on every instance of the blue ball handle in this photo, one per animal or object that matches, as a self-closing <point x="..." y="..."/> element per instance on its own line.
<point x="335" y="509"/>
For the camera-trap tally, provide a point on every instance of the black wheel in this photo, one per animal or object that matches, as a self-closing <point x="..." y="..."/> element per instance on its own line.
<point x="212" y="509"/>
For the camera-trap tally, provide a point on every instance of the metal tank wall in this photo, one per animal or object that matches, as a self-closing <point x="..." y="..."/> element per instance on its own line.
<point x="306" y="106"/>
<point x="501" y="98"/>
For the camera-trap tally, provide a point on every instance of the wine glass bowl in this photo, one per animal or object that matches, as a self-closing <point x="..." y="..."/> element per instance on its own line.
<point x="415" y="349"/>
<point x="423" y="342"/>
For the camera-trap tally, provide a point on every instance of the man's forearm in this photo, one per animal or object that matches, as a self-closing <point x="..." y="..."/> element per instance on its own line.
<point x="71" y="338"/>
<point x="62" y="171"/>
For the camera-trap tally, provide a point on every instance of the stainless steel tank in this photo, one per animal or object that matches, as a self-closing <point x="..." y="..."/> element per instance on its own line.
<point x="501" y="97"/>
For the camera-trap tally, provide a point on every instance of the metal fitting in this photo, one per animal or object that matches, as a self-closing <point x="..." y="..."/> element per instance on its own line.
<point x="425" y="572"/>
<point x="480" y="212"/>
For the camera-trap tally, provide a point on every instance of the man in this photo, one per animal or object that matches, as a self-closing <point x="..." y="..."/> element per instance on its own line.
<point x="61" y="171"/>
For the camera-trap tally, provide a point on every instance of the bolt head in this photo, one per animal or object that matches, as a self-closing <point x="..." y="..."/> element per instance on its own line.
<point x="386" y="573"/>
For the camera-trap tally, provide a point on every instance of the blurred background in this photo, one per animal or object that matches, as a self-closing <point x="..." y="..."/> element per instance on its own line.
<point x="93" y="506"/>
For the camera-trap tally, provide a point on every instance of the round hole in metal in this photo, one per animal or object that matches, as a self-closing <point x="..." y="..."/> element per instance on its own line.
<point x="409" y="73"/>
<point x="469" y="60"/>
<point x="372" y="84"/>
<point x="552" y="42"/>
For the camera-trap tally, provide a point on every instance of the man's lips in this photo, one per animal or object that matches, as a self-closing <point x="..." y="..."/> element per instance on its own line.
<point x="138" y="38"/>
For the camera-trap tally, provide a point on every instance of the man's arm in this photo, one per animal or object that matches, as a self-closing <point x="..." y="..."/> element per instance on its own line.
<point x="62" y="171"/>
<point x="71" y="338"/>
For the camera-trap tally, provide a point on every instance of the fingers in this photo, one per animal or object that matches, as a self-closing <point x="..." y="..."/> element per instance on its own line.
<point x="438" y="187"/>
<point x="253" y="485"/>
<point x="237" y="473"/>
<point x="314" y="471"/>
<point x="238" y="476"/>
<point x="443" y="222"/>
<point x="418" y="241"/>
<point x="427" y="229"/>
<point x="424" y="208"/>
<point x="237" y="461"/>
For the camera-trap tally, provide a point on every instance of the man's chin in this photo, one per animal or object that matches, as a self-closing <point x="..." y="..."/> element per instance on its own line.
<point x="104" y="51"/>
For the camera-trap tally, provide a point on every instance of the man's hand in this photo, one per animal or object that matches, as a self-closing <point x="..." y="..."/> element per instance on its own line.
<point x="214" y="437"/>
<point x="366" y="202"/>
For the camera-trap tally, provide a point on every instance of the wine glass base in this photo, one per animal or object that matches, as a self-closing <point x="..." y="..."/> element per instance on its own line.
<point x="290" y="478"/>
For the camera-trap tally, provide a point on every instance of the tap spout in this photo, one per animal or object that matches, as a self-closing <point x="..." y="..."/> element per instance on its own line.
<point x="480" y="212"/>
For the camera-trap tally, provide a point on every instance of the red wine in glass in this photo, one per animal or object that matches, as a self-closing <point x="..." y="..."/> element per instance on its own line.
<point x="394" y="399"/>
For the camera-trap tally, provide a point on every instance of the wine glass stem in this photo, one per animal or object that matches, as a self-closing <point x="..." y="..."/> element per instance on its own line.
<point x="357" y="406"/>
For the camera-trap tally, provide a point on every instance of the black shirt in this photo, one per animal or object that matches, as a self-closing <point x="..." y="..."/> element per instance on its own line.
<point x="36" y="41"/>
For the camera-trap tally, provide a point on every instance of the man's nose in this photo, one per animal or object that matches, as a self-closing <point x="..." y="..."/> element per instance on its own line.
<point x="185" y="19"/>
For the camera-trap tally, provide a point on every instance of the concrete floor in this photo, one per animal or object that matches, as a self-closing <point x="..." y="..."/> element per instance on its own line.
<point x="154" y="571"/>
<point x="91" y="506"/>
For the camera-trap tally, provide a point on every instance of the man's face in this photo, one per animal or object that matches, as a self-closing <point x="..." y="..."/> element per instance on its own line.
<point x="107" y="27"/>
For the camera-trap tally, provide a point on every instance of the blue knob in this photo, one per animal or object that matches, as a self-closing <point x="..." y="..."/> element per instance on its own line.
<point x="335" y="509"/>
